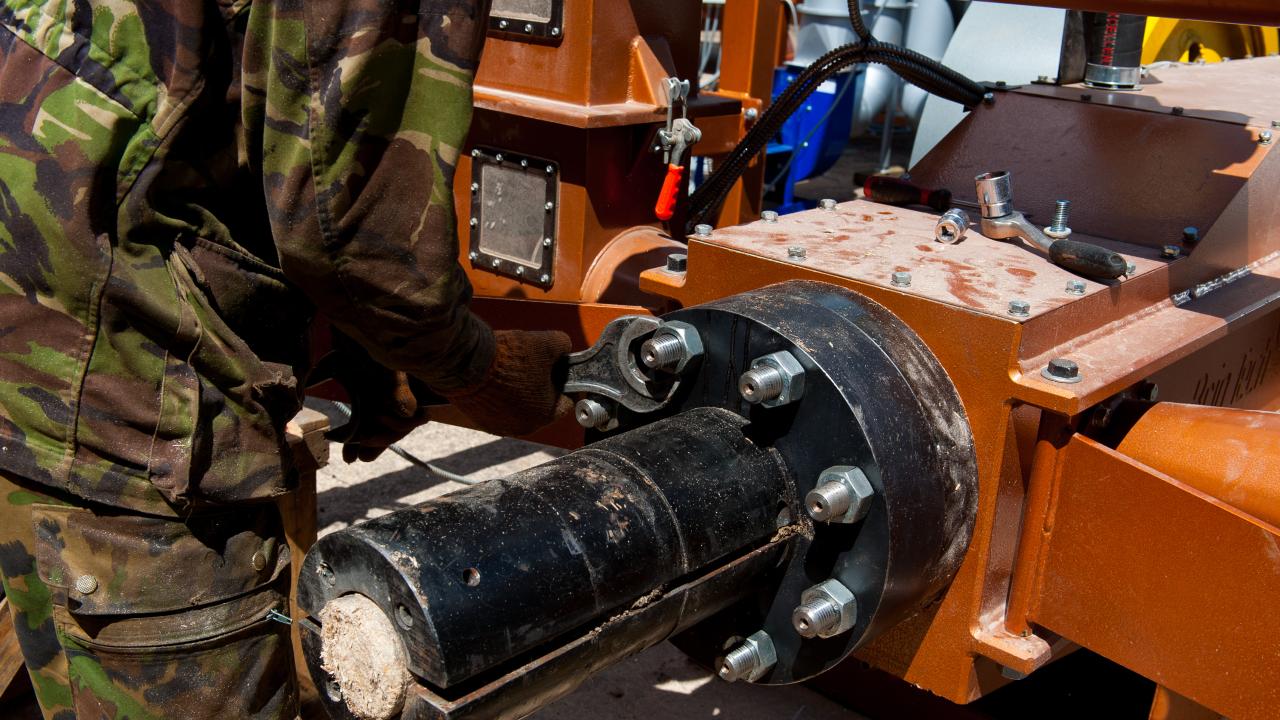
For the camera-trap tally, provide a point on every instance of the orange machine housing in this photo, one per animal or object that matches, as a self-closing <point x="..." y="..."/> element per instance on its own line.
<point x="1151" y="541"/>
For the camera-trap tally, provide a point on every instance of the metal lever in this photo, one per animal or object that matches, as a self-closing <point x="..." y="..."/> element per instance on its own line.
<point x="677" y="137"/>
<point x="1001" y="222"/>
<point x="612" y="367"/>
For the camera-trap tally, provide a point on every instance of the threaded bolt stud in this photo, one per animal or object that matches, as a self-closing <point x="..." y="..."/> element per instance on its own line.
<point x="828" y="500"/>
<point x="761" y="384"/>
<point x="815" y="617"/>
<point x="1061" y="213"/>
<point x="661" y="352"/>
<point x="590" y="413"/>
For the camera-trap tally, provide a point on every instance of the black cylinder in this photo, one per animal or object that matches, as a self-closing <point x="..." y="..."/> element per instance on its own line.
<point x="478" y="576"/>
<point x="1113" y="49"/>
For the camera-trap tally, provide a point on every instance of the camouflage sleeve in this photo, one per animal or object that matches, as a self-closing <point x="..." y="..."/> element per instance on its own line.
<point x="358" y="110"/>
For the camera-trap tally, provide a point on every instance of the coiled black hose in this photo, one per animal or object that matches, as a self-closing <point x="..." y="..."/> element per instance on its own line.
<point x="922" y="71"/>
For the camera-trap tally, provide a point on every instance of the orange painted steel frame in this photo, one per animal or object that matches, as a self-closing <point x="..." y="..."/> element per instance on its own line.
<point x="1139" y="552"/>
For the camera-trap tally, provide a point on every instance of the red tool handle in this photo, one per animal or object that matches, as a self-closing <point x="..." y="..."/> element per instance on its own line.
<point x="893" y="191"/>
<point x="670" y="192"/>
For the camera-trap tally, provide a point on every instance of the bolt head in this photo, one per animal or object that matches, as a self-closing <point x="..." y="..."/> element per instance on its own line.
<point x="827" y="204"/>
<point x="797" y="252"/>
<point x="545" y="279"/>
<point x="86" y="584"/>
<point x="751" y="114"/>
<point x="473" y="256"/>
<point x="1062" y="370"/>
<point x="475" y="153"/>
<point x="555" y="32"/>
<point x="1265" y="137"/>
<point x="1130" y="269"/>
<point x="1190" y="234"/>
<point x="475" y="222"/>
<point x="702" y="230"/>
<point x="528" y="27"/>
<point x="475" y="187"/>
<point x="839" y="595"/>
<point x="503" y="24"/>
<point x="1019" y="308"/>
<point x="546" y="242"/>
<point x="861" y="493"/>
<point x="901" y="278"/>
<point x="550" y="205"/>
<point x="769" y="216"/>
<point x="498" y="157"/>
<point x="1076" y="287"/>
<point x="1170" y="251"/>
<point x="519" y="271"/>
<point x="792" y="377"/>
<point x="524" y="163"/>
<point x="691" y="349"/>
<point x="677" y="262"/>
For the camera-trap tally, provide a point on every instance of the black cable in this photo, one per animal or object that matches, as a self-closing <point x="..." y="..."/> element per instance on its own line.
<point x="855" y="17"/>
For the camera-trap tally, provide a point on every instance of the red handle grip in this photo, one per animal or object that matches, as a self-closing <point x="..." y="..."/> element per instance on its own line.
<point x="670" y="192"/>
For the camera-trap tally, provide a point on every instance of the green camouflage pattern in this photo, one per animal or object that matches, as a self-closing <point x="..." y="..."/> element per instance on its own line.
<point x="204" y="647"/>
<point x="183" y="183"/>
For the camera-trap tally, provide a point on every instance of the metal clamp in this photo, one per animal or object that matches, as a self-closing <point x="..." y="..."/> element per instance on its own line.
<point x="680" y="133"/>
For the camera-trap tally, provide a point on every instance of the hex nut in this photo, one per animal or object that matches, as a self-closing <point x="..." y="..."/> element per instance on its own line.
<point x="750" y="660"/>
<point x="834" y="592"/>
<point x="842" y="495"/>
<point x="691" y="348"/>
<point x="791" y="374"/>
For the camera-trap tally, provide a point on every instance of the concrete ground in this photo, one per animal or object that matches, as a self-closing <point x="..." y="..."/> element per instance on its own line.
<point x="658" y="683"/>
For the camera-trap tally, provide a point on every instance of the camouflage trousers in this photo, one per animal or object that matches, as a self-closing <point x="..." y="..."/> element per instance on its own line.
<point x="133" y="617"/>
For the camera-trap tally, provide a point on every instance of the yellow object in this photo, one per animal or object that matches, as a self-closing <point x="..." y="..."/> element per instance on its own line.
<point x="1191" y="40"/>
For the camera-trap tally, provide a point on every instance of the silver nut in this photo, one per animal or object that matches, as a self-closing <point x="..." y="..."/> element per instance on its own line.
<point x="86" y="584"/>
<point x="1265" y="137"/>
<point x="702" y="230"/>
<point x="549" y="206"/>
<point x="952" y="226"/>
<point x="774" y="380"/>
<point x="826" y="610"/>
<point x="1170" y="251"/>
<point x="842" y="495"/>
<point x="591" y="413"/>
<point x="673" y="347"/>
<point x="750" y="660"/>
<point x="1019" y="308"/>
<point x="1062" y="370"/>
<point x="797" y="252"/>
<point x="751" y="114"/>
<point x="827" y="204"/>
<point x="1076" y="287"/>
<point x="901" y="278"/>
<point x="769" y="216"/>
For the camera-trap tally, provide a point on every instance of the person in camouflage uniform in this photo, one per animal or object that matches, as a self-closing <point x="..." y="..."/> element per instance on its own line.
<point x="183" y="184"/>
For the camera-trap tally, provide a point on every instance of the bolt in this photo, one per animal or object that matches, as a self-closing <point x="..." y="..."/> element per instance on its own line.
<point x="475" y="222"/>
<point x="827" y="204"/>
<point x="528" y="27"/>
<point x="901" y="278"/>
<point x="1275" y="124"/>
<point x="1062" y="370"/>
<point x="751" y="114"/>
<point x="1190" y="235"/>
<point x="1075" y="287"/>
<point x="546" y="242"/>
<point x="1061" y="213"/>
<point x="702" y="230"/>
<point x="326" y="574"/>
<point x="475" y="153"/>
<point x="495" y="262"/>
<point x="519" y="271"/>
<point x="555" y="32"/>
<point x="86" y="584"/>
<point x="1130" y="269"/>
<point x="550" y="169"/>
<point x="1265" y="137"/>
<point x="769" y="216"/>
<point x="404" y="617"/>
<point x="1170" y="251"/>
<point x="473" y="256"/>
<point x="661" y="351"/>
<point x="677" y="262"/>
<point x="1043" y="79"/>
<point x="773" y="380"/>
<point x="750" y="660"/>
<point x="475" y="187"/>
<point x="498" y="157"/>
<point x="591" y="413"/>
<point x="842" y="495"/>
<point x="796" y="252"/>
<point x="826" y="610"/>
<point x="1085" y="97"/>
<point x="1019" y="308"/>
<point x="550" y="205"/>
<point x="1178" y="110"/>
<point x="545" y="279"/>
<point x="503" y="24"/>
<point x="761" y="384"/>
<point x="332" y="690"/>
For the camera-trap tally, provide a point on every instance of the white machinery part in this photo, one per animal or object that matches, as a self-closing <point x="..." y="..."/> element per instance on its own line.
<point x="929" y="31"/>
<point x="1013" y="43"/>
<point x="880" y="82"/>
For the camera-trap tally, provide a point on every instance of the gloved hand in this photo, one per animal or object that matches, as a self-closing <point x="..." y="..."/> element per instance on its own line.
<point x="384" y="405"/>
<point x="523" y="390"/>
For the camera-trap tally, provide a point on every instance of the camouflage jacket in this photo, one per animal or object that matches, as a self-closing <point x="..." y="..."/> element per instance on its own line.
<point x="182" y="183"/>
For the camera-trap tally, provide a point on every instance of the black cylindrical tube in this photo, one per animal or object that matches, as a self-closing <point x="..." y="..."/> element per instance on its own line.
<point x="481" y="575"/>
<point x="1113" y="49"/>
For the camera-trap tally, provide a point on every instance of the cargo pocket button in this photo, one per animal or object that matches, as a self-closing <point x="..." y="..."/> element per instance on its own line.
<point x="86" y="584"/>
<point x="259" y="561"/>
